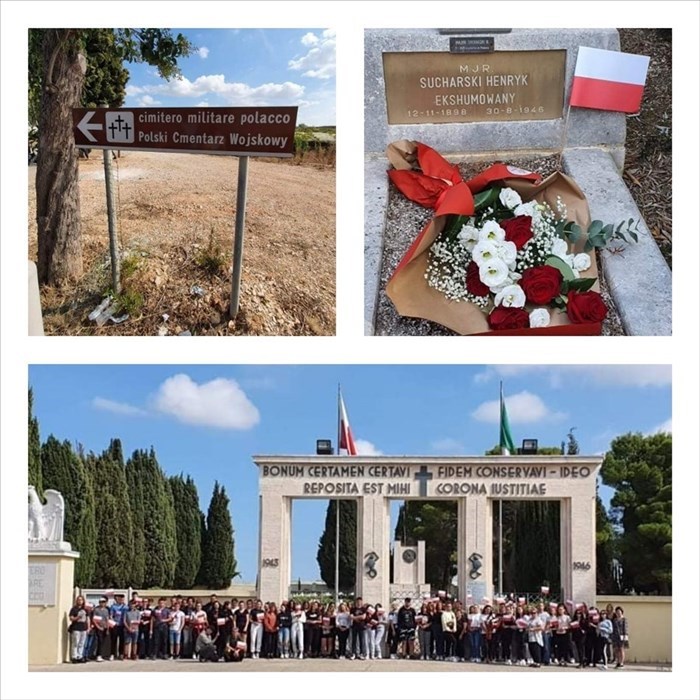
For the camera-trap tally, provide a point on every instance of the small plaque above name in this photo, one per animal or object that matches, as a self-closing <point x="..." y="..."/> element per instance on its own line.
<point x="42" y="584"/>
<point x="438" y="87"/>
<point x="471" y="44"/>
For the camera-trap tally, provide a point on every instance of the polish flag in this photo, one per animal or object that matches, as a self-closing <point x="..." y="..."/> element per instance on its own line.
<point x="609" y="80"/>
<point x="346" y="441"/>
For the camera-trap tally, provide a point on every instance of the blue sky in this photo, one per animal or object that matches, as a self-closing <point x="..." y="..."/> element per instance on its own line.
<point x="241" y="67"/>
<point x="208" y="420"/>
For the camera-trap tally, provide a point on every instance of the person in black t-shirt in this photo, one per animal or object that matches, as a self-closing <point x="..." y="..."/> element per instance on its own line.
<point x="284" y="621"/>
<point x="358" y="615"/>
<point x="78" y="630"/>
<point x="406" y="627"/>
<point x="241" y="621"/>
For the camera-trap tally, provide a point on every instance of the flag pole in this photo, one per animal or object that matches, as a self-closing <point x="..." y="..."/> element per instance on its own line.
<point x="500" y="508"/>
<point x="337" y="518"/>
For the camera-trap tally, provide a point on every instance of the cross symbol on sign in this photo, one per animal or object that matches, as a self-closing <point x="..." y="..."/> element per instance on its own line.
<point x="423" y="476"/>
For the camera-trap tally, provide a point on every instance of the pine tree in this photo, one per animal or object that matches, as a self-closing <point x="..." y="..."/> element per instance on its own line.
<point x="113" y="527"/>
<point x="348" y="546"/>
<point x="134" y="470"/>
<point x="187" y="525"/>
<point x="34" y="466"/>
<point x="63" y="471"/>
<point x="160" y="537"/>
<point x="219" y="561"/>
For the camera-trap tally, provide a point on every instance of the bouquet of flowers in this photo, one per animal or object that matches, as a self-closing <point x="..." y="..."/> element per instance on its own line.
<point x="518" y="249"/>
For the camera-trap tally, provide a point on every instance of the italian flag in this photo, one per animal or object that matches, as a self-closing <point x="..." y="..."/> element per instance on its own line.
<point x="609" y="80"/>
<point x="506" y="439"/>
<point x="345" y="439"/>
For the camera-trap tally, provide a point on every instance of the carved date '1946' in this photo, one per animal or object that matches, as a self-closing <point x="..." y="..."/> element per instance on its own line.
<point x="582" y="565"/>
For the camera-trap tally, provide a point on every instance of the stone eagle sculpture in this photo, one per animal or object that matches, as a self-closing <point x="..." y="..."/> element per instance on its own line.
<point x="46" y="520"/>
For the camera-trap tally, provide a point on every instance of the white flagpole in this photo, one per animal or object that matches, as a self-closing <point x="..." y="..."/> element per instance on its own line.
<point x="500" y="511"/>
<point x="337" y="519"/>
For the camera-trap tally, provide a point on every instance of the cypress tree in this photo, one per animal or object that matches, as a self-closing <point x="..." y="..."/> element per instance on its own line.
<point x="201" y="579"/>
<point x="34" y="465"/>
<point x="187" y="526"/>
<point x="114" y="534"/>
<point x="219" y="560"/>
<point x="160" y="538"/>
<point x="63" y="470"/>
<point x="136" y="486"/>
<point x="348" y="546"/>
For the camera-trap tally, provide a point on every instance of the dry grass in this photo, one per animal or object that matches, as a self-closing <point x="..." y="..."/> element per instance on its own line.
<point x="175" y="221"/>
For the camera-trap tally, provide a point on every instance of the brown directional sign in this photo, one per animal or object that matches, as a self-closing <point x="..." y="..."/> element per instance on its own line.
<point x="238" y="131"/>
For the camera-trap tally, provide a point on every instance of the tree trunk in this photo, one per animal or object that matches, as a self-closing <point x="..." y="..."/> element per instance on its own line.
<point x="58" y="199"/>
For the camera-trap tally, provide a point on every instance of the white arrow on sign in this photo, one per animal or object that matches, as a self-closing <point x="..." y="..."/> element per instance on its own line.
<point x="85" y="127"/>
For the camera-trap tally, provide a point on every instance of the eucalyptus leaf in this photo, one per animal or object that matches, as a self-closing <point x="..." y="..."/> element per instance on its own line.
<point x="566" y="272"/>
<point x="486" y="197"/>
<point x="583" y="284"/>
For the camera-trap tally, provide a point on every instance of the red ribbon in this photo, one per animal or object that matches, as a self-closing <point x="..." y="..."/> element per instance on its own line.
<point x="440" y="186"/>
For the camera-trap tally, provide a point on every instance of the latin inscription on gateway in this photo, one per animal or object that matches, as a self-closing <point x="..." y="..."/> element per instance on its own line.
<point x="498" y="481"/>
<point x="438" y="88"/>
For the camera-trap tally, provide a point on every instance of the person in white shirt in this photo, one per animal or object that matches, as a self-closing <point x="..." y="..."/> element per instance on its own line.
<point x="175" y="623"/>
<point x="342" y="626"/>
<point x="298" y="620"/>
<point x="475" y="619"/>
<point x="535" y="640"/>
<point x="562" y="635"/>
<point x="546" y="633"/>
<point x="449" y="629"/>
<point x="381" y="619"/>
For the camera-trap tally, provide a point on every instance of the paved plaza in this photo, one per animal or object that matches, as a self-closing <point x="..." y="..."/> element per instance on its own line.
<point x="341" y="665"/>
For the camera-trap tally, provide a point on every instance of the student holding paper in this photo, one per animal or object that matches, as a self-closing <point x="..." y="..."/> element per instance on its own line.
<point x="132" y="619"/>
<point x="423" y="622"/>
<point x="343" y="623"/>
<point x="100" y="621"/>
<point x="270" y="631"/>
<point x="449" y="631"/>
<point x="562" y="635"/>
<point x="78" y="630"/>
<point x="161" y="620"/>
<point x="473" y="625"/>
<point x="535" y="640"/>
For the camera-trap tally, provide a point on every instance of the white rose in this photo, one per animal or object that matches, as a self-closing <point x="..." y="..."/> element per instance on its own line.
<point x="491" y="231"/>
<point x="539" y="318"/>
<point x="468" y="233"/>
<point x="581" y="262"/>
<point x="507" y="252"/>
<point x="529" y="209"/>
<point x="509" y="198"/>
<point x="570" y="262"/>
<point x="493" y="272"/>
<point x="484" y="251"/>
<point x="512" y="295"/>
<point x="560" y="248"/>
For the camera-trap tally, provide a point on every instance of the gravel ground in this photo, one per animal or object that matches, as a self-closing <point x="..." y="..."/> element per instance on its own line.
<point x="405" y="219"/>
<point x="175" y="223"/>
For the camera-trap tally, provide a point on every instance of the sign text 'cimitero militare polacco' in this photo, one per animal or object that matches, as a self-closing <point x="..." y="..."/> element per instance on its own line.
<point x="240" y="131"/>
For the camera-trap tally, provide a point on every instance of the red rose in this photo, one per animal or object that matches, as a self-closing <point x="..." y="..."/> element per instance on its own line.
<point x="541" y="284"/>
<point x="518" y="230"/>
<point x="586" y="307"/>
<point x="474" y="284"/>
<point x="502" y="318"/>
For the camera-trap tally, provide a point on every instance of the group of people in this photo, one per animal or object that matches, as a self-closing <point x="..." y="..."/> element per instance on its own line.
<point x="510" y="632"/>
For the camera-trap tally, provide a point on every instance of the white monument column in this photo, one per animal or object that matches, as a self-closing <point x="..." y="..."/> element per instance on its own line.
<point x="372" y="573"/>
<point x="565" y="561"/>
<point x="583" y="555"/>
<point x="51" y="564"/>
<point x="274" y="567"/>
<point x="474" y="548"/>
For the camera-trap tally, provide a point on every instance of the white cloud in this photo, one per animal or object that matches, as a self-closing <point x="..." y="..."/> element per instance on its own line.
<point x="309" y="39"/>
<point x="522" y="408"/>
<point x="319" y="60"/>
<point x="603" y="375"/>
<point x="447" y="445"/>
<point x="203" y="52"/>
<point x="147" y="101"/>
<point x="365" y="447"/>
<point x="665" y="427"/>
<point x="239" y="94"/>
<point x="122" y="409"/>
<point x="220" y="403"/>
<point x="203" y="103"/>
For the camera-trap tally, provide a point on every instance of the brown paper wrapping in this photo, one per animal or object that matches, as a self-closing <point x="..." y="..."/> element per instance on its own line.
<point x="409" y="291"/>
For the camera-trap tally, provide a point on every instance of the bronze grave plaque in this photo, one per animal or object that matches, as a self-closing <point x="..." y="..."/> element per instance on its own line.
<point x="432" y="87"/>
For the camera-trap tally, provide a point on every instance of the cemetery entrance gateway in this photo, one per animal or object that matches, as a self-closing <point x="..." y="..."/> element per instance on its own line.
<point x="474" y="482"/>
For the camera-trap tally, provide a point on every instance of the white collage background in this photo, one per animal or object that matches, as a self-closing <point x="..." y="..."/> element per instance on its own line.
<point x="349" y="346"/>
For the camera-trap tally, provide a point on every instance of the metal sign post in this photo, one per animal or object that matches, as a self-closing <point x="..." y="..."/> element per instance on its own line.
<point x="237" y="131"/>
<point x="111" y="222"/>
<point x="241" y="194"/>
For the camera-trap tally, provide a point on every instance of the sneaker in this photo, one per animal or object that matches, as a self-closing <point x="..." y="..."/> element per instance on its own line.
<point x="99" y="658"/>
<point x="522" y="662"/>
<point x="301" y="656"/>
<point x="111" y="658"/>
<point x="509" y="662"/>
<point x="393" y="657"/>
<point x="603" y="667"/>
